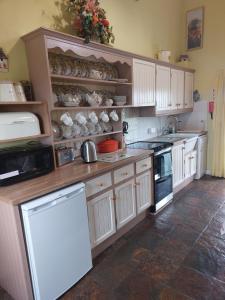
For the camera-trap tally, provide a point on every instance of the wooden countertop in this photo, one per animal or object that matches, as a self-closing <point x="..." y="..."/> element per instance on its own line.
<point x="27" y="190"/>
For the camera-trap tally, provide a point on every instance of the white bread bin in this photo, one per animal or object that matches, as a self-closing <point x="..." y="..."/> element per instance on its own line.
<point x="18" y="124"/>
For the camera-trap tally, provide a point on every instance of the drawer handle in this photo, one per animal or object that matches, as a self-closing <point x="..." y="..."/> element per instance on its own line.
<point x="144" y="166"/>
<point x="125" y="174"/>
<point x="100" y="184"/>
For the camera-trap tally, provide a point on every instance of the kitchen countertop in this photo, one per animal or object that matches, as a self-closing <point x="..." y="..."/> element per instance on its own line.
<point x="79" y="171"/>
<point x="179" y="139"/>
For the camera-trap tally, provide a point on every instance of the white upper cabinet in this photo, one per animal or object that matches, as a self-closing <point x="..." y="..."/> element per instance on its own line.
<point x="189" y="86"/>
<point x="143" y="83"/>
<point x="162" y="88"/>
<point x="177" y="89"/>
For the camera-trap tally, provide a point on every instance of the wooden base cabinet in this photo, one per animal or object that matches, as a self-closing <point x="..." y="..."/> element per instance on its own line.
<point x="129" y="195"/>
<point x="101" y="214"/>
<point x="125" y="203"/>
<point x="178" y="164"/>
<point x="144" y="191"/>
<point x="190" y="164"/>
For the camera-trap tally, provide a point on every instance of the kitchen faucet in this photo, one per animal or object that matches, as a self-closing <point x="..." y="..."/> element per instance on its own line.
<point x="175" y="125"/>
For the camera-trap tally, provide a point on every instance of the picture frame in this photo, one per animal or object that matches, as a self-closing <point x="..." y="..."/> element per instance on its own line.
<point x="194" y="28"/>
<point x="4" y="63"/>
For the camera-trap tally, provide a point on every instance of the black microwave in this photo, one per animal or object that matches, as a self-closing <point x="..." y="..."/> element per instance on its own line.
<point x="25" y="162"/>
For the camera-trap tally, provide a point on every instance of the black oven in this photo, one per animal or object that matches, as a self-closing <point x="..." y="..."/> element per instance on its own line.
<point x="163" y="178"/>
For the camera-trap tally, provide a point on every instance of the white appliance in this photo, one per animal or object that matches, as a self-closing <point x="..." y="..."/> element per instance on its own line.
<point x="18" y="124"/>
<point x="202" y="156"/>
<point x="58" y="242"/>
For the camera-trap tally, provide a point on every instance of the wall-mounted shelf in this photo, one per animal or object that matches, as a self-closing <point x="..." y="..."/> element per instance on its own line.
<point x="79" y="108"/>
<point x="10" y="103"/>
<point x="81" y="80"/>
<point x="65" y="141"/>
<point x="32" y="137"/>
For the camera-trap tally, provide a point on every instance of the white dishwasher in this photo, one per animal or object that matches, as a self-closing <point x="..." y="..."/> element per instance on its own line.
<point x="57" y="239"/>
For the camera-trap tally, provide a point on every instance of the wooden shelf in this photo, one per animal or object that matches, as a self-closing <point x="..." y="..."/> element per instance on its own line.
<point x="32" y="137"/>
<point x="89" y="107"/>
<point x="21" y="103"/>
<point x="86" y="80"/>
<point x="66" y="141"/>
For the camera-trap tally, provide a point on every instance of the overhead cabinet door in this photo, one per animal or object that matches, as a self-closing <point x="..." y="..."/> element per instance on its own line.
<point x="143" y="83"/>
<point x="189" y="83"/>
<point x="163" y="88"/>
<point x="177" y="89"/>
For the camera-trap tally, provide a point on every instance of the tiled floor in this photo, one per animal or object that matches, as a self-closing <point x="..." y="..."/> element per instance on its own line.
<point x="178" y="254"/>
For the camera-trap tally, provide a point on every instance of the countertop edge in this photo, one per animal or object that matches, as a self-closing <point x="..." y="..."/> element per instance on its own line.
<point x="16" y="193"/>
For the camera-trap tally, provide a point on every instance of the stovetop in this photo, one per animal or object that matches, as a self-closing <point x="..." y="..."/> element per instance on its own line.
<point x="149" y="145"/>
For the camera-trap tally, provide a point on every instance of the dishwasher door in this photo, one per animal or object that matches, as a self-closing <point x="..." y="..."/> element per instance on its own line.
<point x="57" y="239"/>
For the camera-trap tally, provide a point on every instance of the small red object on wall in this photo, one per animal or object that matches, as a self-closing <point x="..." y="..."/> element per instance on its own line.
<point x="212" y="105"/>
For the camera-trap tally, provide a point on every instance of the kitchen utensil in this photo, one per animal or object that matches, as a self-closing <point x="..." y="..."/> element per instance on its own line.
<point x="107" y="146"/>
<point x="164" y="55"/>
<point x="125" y="127"/>
<point x="57" y="131"/>
<point x="104" y="117"/>
<point x="94" y="99"/>
<point x="80" y="118"/>
<point x="93" y="117"/>
<point x="114" y="116"/>
<point x="20" y="96"/>
<point x="67" y="131"/>
<point x="7" y="91"/>
<point x="88" y="151"/>
<point x="65" y="155"/>
<point x="66" y="119"/>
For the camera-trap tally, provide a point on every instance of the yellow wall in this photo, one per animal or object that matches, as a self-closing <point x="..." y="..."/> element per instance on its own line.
<point x="143" y="26"/>
<point x="208" y="60"/>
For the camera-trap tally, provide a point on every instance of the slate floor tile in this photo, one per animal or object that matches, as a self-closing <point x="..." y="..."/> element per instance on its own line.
<point x="177" y="254"/>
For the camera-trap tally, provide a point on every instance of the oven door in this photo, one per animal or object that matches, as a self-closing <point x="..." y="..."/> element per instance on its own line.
<point x="163" y="188"/>
<point x="162" y="164"/>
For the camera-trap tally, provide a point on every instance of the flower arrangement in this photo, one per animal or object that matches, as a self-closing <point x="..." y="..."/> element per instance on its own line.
<point x="90" y="21"/>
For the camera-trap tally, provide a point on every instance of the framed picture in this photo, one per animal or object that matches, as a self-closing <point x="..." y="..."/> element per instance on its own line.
<point x="195" y="24"/>
<point x="3" y="62"/>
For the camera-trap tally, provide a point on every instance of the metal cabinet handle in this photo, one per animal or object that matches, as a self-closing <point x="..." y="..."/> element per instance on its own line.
<point x="125" y="174"/>
<point x="144" y="166"/>
<point x="100" y="184"/>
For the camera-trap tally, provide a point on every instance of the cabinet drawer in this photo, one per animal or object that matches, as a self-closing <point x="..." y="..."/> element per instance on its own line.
<point x="143" y="165"/>
<point x="98" y="184"/>
<point x="123" y="173"/>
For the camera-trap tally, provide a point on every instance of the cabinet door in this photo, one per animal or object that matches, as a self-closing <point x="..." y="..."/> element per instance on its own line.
<point x="162" y="88"/>
<point x="144" y="191"/>
<point x="101" y="216"/>
<point x="189" y="85"/>
<point x="187" y="165"/>
<point x="193" y="161"/>
<point x="202" y="159"/>
<point x="178" y="164"/>
<point x="177" y="89"/>
<point x="143" y="83"/>
<point x="125" y="203"/>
